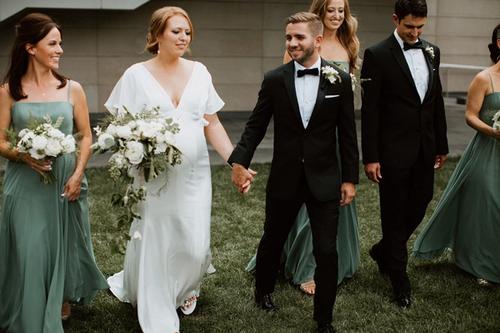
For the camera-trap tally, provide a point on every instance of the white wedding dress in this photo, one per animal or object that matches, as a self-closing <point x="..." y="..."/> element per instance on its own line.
<point x="170" y="247"/>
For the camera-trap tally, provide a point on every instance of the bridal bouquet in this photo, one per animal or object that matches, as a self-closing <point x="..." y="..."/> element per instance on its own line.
<point x="43" y="140"/>
<point x="142" y="144"/>
<point x="496" y="121"/>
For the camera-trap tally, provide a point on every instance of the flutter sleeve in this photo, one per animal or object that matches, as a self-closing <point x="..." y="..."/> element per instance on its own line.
<point x="214" y="102"/>
<point x="123" y="94"/>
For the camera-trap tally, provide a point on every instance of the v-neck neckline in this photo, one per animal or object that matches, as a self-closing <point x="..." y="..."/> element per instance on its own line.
<point x="176" y="107"/>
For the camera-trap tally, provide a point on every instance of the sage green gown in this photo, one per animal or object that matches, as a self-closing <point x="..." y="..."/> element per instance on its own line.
<point x="46" y="252"/>
<point x="298" y="258"/>
<point x="467" y="217"/>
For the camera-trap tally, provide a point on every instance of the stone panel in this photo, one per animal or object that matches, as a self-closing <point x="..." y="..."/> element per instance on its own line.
<point x="467" y="9"/>
<point x="234" y="70"/>
<point x="92" y="97"/>
<point x="238" y="97"/>
<point x="120" y="42"/>
<point x="465" y="27"/>
<point x="79" y="42"/>
<point x="227" y="43"/>
<point x="275" y="14"/>
<point x="110" y="69"/>
<point x="81" y="69"/>
<point x="274" y="43"/>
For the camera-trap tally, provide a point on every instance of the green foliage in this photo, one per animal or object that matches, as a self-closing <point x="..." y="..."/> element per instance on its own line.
<point x="445" y="298"/>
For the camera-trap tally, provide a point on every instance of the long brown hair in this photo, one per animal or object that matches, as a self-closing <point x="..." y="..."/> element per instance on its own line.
<point x="30" y="30"/>
<point x="346" y="33"/>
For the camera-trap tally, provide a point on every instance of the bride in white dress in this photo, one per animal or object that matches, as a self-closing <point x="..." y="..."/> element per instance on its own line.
<point x="170" y="247"/>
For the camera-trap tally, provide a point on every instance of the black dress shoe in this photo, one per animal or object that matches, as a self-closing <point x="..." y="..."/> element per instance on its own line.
<point x="374" y="255"/>
<point x="403" y="300"/>
<point x="265" y="302"/>
<point x="328" y="328"/>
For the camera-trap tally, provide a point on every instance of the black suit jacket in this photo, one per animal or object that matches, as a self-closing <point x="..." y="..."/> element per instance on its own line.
<point x="302" y="151"/>
<point x="395" y="123"/>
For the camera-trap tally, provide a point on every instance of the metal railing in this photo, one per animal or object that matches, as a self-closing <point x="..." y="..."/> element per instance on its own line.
<point x="445" y="73"/>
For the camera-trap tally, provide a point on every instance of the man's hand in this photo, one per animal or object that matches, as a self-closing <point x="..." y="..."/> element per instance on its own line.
<point x="439" y="162"/>
<point x="242" y="178"/>
<point x="347" y="192"/>
<point x="372" y="171"/>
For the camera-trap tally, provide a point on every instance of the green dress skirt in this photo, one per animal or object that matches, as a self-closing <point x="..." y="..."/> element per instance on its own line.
<point x="297" y="257"/>
<point x="46" y="252"/>
<point x="467" y="217"/>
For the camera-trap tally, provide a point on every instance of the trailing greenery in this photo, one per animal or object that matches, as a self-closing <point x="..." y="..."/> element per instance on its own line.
<point x="446" y="299"/>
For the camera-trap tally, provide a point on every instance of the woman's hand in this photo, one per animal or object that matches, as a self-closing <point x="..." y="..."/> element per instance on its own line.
<point x="40" y="166"/>
<point x="72" y="188"/>
<point x="496" y="133"/>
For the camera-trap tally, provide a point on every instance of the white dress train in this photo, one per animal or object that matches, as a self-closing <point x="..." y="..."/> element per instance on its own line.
<point x="166" y="260"/>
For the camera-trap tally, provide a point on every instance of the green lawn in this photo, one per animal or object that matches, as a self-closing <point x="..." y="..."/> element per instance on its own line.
<point x="445" y="298"/>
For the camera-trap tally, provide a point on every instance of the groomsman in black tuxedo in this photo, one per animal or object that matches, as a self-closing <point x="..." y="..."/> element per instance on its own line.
<point x="403" y="135"/>
<point x="310" y="101"/>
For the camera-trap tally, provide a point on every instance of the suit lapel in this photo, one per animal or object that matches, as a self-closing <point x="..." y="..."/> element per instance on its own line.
<point x="289" y="78"/>
<point x="321" y="92"/>
<point x="430" y="65"/>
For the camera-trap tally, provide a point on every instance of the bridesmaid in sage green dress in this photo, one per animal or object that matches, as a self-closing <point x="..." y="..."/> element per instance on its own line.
<point x="340" y="43"/>
<point x="467" y="218"/>
<point x="46" y="255"/>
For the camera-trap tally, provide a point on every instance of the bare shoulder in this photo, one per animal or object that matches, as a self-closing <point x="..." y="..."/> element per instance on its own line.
<point x="481" y="81"/>
<point x="76" y="88"/>
<point x="5" y="97"/>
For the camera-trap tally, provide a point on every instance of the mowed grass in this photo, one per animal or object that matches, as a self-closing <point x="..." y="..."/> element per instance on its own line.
<point x="446" y="299"/>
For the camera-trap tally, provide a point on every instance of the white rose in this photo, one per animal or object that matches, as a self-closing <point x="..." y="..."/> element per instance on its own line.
<point x="68" y="144"/>
<point x="55" y="133"/>
<point x="39" y="142"/>
<point x="36" y="154"/>
<point x="167" y="137"/>
<point x="53" y="148"/>
<point x="118" y="160"/>
<point x="123" y="132"/>
<point x="105" y="141"/>
<point x="111" y="130"/>
<point x="134" y="152"/>
<point x="23" y="132"/>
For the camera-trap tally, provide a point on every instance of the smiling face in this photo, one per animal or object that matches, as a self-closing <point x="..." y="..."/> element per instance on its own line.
<point x="48" y="51"/>
<point x="176" y="37"/>
<point x="301" y="44"/>
<point x="410" y="27"/>
<point x="334" y="14"/>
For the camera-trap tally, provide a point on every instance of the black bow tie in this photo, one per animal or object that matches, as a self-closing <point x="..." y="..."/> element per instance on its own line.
<point x="307" y="71"/>
<point x="416" y="45"/>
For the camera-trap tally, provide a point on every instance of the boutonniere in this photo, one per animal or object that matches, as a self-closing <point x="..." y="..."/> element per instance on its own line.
<point x="430" y="51"/>
<point x="331" y="74"/>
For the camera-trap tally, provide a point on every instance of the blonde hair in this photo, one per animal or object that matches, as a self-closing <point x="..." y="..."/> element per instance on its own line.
<point x="346" y="32"/>
<point x="158" y="23"/>
<point x="313" y="21"/>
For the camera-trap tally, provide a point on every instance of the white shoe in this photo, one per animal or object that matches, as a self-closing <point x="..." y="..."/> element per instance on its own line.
<point x="189" y="305"/>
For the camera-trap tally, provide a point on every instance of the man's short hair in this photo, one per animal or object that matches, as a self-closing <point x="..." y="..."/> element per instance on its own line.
<point x="312" y="20"/>
<point x="417" y="8"/>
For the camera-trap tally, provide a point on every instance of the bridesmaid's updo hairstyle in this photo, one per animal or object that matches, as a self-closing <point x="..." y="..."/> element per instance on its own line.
<point x="30" y="30"/>
<point x="158" y="23"/>
<point x="494" y="50"/>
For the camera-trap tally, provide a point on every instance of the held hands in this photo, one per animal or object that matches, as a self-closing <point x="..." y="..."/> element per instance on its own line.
<point x="439" y="162"/>
<point x="372" y="171"/>
<point x="242" y="178"/>
<point x="347" y="192"/>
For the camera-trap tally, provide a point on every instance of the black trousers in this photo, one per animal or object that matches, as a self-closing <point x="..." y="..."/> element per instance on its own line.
<point x="404" y="196"/>
<point x="280" y="217"/>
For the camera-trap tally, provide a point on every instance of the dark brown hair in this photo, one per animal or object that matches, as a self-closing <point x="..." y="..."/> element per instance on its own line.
<point x="417" y="8"/>
<point x="493" y="47"/>
<point x="30" y="30"/>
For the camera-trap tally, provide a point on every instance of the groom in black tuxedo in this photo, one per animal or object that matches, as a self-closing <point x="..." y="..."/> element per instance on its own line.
<point x="403" y="135"/>
<point x="310" y="101"/>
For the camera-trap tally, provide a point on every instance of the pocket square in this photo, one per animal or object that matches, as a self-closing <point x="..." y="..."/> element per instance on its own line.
<point x="331" y="96"/>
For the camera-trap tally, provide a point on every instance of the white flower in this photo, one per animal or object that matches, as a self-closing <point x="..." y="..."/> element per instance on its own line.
<point x="331" y="74"/>
<point x="123" y="132"/>
<point x="68" y="144"/>
<point x="111" y="130"/>
<point x="97" y="130"/>
<point x="55" y="133"/>
<point x="53" y="148"/>
<point x="160" y="147"/>
<point x="137" y="235"/>
<point x="105" y="141"/>
<point x="430" y="51"/>
<point x="36" y="154"/>
<point x="118" y="160"/>
<point x="496" y="121"/>
<point x="134" y="152"/>
<point x="166" y="137"/>
<point x="39" y="142"/>
<point x="23" y="132"/>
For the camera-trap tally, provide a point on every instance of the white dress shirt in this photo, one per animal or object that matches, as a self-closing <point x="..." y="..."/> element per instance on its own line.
<point x="306" y="89"/>
<point x="415" y="59"/>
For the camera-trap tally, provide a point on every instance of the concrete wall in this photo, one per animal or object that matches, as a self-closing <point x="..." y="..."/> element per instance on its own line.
<point x="239" y="40"/>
